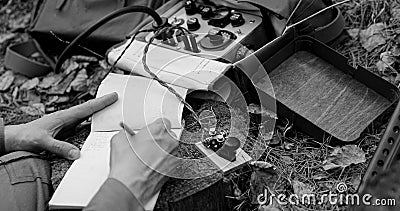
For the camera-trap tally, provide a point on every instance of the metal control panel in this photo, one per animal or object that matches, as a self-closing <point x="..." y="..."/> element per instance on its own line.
<point x="214" y="31"/>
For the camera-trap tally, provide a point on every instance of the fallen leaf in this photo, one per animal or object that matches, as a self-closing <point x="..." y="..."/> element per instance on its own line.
<point x="51" y="79"/>
<point x="300" y="188"/>
<point x="95" y="79"/>
<point x="15" y="93"/>
<point x="372" y="37"/>
<point x="19" y="79"/>
<point x="397" y="79"/>
<point x="30" y="96"/>
<point x="62" y="99"/>
<point x="353" y="33"/>
<point x="81" y="58"/>
<point x="63" y="85"/>
<point x="396" y="51"/>
<point x="355" y="181"/>
<point x="6" y="36"/>
<point x="30" y="84"/>
<point x="19" y="23"/>
<point x="388" y="58"/>
<point x="104" y="65"/>
<point x="79" y="83"/>
<point x="6" y="80"/>
<point x="37" y="109"/>
<point x="344" y="156"/>
<point x="381" y="66"/>
<point x="395" y="13"/>
<point x="261" y="164"/>
<point x="69" y="66"/>
<point x="319" y="176"/>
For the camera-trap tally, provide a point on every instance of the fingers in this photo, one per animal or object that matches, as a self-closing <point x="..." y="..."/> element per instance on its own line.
<point x="62" y="149"/>
<point x="88" y="108"/>
<point x="160" y="130"/>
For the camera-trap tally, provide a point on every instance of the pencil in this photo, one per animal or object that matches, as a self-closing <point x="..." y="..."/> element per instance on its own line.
<point x="127" y="129"/>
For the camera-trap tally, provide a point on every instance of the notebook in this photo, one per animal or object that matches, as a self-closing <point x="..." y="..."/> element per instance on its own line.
<point x="141" y="101"/>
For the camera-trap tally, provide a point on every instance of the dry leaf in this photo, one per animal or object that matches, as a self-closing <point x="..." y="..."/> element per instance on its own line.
<point x="381" y="66"/>
<point x="51" y="79"/>
<point x="261" y="164"/>
<point x="30" y="84"/>
<point x="353" y="33"/>
<point x="355" y="181"/>
<point x="372" y="37"/>
<point x="19" y="23"/>
<point x="63" y="85"/>
<point x="396" y="51"/>
<point x="344" y="156"/>
<point x="79" y="83"/>
<point x="36" y="109"/>
<point x="5" y="37"/>
<point x="395" y="14"/>
<point x="95" y="79"/>
<point x="388" y="58"/>
<point x="300" y="188"/>
<point x="319" y="176"/>
<point x="6" y="80"/>
<point x="69" y="66"/>
<point x="81" y="58"/>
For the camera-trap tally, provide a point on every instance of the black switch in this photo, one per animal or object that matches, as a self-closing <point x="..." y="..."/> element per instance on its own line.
<point x="193" y="24"/>
<point x="221" y="18"/>
<point x="206" y="12"/>
<point x="237" y="19"/>
<point x="190" y="7"/>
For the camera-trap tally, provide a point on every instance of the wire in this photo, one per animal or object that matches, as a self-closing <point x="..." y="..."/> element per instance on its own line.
<point x="122" y="53"/>
<point x="83" y="47"/>
<point x="101" y="22"/>
<point x="313" y="15"/>
<point x="155" y="77"/>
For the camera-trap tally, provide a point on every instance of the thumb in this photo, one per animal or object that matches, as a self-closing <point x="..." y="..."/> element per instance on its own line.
<point x="62" y="149"/>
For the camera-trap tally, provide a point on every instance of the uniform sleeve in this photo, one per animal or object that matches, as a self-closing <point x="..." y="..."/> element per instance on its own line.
<point x="2" y="138"/>
<point x="113" y="195"/>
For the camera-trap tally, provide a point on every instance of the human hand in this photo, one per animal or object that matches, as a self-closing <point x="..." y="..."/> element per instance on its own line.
<point x="143" y="168"/>
<point x="38" y="135"/>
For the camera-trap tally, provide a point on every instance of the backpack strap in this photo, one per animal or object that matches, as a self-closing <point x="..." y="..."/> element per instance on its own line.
<point x="18" y="59"/>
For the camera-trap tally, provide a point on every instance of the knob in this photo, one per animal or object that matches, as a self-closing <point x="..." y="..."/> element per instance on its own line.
<point x="190" y="7"/>
<point x="228" y="150"/>
<point x="237" y="19"/>
<point x="215" y="37"/>
<point x="206" y="12"/>
<point x="193" y="24"/>
<point x="221" y="18"/>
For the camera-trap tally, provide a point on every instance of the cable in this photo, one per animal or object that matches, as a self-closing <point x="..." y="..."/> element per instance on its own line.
<point x="101" y="22"/>
<point x="122" y="53"/>
<point x="155" y="77"/>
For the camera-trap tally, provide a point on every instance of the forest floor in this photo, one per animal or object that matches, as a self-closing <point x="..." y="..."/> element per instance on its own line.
<point x="295" y="164"/>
